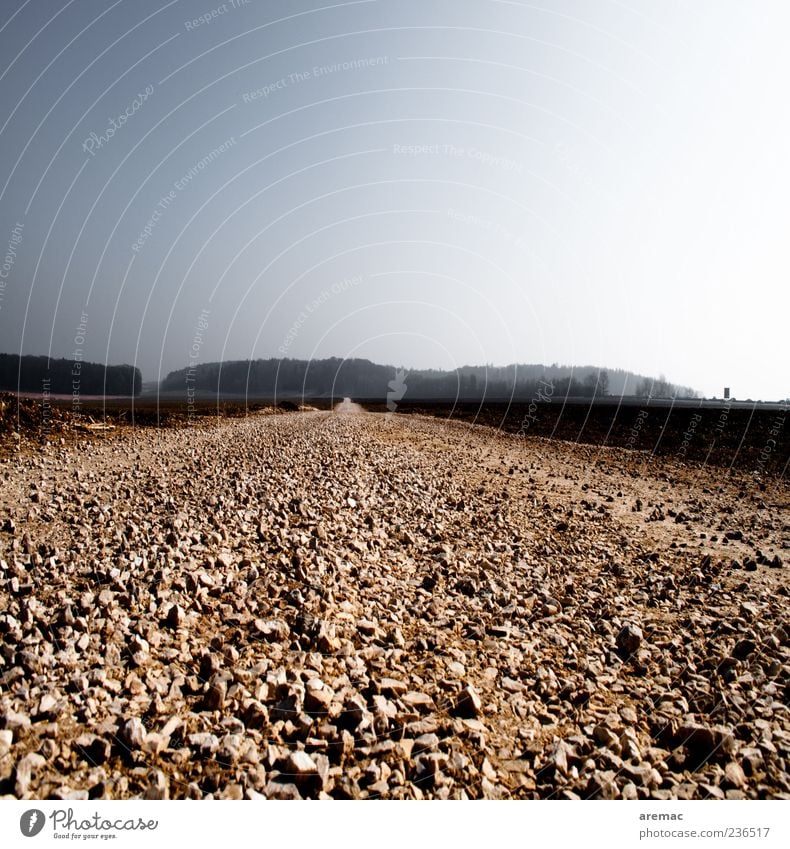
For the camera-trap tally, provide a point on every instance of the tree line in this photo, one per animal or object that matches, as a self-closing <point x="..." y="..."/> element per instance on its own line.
<point x="361" y="378"/>
<point x="67" y="377"/>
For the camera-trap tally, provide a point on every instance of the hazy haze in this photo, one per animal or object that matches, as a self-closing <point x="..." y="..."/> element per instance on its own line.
<point x="423" y="184"/>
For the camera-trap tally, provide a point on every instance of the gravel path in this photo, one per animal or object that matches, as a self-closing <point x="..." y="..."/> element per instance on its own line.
<point x="354" y="605"/>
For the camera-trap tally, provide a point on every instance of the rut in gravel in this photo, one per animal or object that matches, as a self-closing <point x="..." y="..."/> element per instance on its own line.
<point x="352" y="605"/>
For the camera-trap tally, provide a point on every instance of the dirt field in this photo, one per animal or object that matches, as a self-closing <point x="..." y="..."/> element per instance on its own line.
<point x="348" y="604"/>
<point x="751" y="439"/>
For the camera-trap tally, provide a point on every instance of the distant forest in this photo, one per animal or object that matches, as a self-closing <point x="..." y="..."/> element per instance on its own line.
<point x="363" y="379"/>
<point x="67" y="377"/>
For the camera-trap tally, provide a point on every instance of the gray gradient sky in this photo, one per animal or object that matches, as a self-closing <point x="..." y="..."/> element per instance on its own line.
<point x="420" y="183"/>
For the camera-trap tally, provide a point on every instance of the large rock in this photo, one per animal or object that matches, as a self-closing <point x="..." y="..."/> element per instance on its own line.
<point x="132" y="733"/>
<point x="706" y="743"/>
<point x="273" y="630"/>
<point x="24" y="773"/>
<point x="629" y="639"/>
<point x="96" y="750"/>
<point x="468" y="704"/>
<point x="302" y="770"/>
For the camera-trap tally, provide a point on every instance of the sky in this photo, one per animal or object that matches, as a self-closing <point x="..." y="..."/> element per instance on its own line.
<point x="425" y="184"/>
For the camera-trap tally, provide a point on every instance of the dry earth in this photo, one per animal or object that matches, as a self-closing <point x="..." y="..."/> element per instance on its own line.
<point x="352" y="605"/>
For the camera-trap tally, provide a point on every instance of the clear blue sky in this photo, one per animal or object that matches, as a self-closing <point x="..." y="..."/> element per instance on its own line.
<point x="420" y="183"/>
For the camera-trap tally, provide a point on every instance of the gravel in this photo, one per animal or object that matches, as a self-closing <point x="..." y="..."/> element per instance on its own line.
<point x="348" y="605"/>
